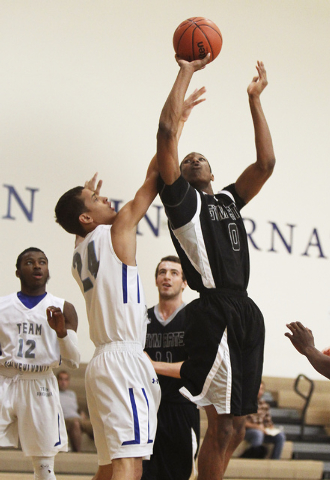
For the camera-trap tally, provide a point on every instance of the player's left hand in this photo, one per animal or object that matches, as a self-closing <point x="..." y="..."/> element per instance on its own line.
<point x="300" y="336"/>
<point x="191" y="102"/>
<point x="56" y="321"/>
<point x="90" y="184"/>
<point x="259" y="82"/>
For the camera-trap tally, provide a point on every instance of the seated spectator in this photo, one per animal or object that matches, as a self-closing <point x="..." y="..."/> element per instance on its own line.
<point x="76" y="421"/>
<point x="260" y="430"/>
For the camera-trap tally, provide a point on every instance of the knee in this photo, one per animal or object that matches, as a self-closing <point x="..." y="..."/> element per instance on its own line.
<point x="254" y="436"/>
<point x="280" y="438"/>
<point x="239" y="433"/>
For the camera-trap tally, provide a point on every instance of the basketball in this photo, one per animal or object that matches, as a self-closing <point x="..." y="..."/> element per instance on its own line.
<point x="196" y="37"/>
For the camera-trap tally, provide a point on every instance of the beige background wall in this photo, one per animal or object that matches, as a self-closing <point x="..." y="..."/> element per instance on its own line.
<point x="82" y="86"/>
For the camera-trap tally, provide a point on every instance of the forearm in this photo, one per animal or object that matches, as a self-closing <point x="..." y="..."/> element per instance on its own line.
<point x="168" y="369"/>
<point x="263" y="139"/>
<point x="172" y="110"/>
<point x="318" y="360"/>
<point x="70" y="354"/>
<point x="153" y="166"/>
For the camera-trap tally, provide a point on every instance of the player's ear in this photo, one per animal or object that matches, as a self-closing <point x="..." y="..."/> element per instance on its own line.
<point x="212" y="177"/>
<point x="85" y="218"/>
<point x="17" y="273"/>
<point x="184" y="284"/>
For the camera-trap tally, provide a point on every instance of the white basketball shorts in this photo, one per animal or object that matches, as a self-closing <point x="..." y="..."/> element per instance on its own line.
<point x="30" y="410"/>
<point x="123" y="396"/>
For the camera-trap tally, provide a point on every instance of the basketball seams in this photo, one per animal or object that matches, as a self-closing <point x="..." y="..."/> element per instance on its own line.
<point x="195" y="37"/>
<point x="206" y="38"/>
<point x="183" y="34"/>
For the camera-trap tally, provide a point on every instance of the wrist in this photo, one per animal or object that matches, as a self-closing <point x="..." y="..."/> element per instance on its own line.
<point x="254" y="97"/>
<point x="62" y="333"/>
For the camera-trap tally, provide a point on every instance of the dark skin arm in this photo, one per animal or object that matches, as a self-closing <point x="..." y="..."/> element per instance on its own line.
<point x="255" y="175"/>
<point x="302" y="339"/>
<point x="170" y="120"/>
<point x="61" y="322"/>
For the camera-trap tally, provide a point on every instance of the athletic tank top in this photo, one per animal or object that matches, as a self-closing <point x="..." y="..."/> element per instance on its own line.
<point x="28" y="343"/>
<point x="114" y="297"/>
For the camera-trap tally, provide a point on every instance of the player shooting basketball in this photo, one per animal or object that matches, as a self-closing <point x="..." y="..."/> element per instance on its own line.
<point x="225" y="334"/>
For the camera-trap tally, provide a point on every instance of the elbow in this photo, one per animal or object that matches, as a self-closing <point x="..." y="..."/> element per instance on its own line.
<point x="270" y="165"/>
<point x="166" y="130"/>
<point x="267" y="166"/>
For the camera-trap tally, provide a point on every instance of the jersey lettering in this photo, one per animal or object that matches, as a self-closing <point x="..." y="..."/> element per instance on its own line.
<point x="93" y="265"/>
<point x="234" y="237"/>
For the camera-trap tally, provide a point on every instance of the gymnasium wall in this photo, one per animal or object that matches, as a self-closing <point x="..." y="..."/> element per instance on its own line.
<point x="82" y="86"/>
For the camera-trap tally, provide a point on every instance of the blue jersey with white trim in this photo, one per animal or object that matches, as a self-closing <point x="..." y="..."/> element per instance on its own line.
<point x="209" y="235"/>
<point x="114" y="296"/>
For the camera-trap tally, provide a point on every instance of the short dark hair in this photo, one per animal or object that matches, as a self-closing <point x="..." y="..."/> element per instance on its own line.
<point x="170" y="258"/>
<point x="30" y="249"/>
<point x="68" y="209"/>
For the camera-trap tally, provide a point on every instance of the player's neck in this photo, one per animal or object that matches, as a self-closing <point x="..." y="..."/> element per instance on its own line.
<point x="167" y="306"/>
<point x="33" y="292"/>
<point x="208" y="190"/>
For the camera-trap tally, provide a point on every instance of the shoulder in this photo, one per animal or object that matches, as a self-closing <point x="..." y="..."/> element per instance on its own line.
<point x="53" y="300"/>
<point x="6" y="298"/>
<point x="151" y="314"/>
<point x="230" y="192"/>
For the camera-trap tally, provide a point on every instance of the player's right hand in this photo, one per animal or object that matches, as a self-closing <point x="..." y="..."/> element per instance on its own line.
<point x="198" y="64"/>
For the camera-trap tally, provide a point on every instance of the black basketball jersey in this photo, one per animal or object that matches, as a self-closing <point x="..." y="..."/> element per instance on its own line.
<point x="208" y="234"/>
<point x="164" y="343"/>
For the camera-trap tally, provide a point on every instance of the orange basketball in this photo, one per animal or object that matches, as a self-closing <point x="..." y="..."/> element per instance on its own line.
<point x="196" y="37"/>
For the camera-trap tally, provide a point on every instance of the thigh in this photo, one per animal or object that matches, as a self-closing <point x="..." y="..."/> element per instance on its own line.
<point x="41" y="423"/>
<point x="207" y="373"/>
<point x="123" y="397"/>
<point x="252" y="357"/>
<point x="8" y="419"/>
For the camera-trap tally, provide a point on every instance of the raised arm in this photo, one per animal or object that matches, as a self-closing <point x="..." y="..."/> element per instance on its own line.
<point x="170" y="121"/>
<point x="137" y="208"/>
<point x="302" y="339"/>
<point x="253" y="178"/>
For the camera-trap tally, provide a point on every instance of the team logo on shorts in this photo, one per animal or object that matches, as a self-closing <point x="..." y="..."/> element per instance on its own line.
<point x="44" y="392"/>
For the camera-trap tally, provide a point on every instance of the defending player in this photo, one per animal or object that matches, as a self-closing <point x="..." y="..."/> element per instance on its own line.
<point x="225" y="332"/>
<point x="122" y="387"/>
<point x="35" y="337"/>
<point x="177" y="437"/>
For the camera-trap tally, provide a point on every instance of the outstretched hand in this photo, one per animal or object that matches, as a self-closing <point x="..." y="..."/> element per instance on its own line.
<point x="300" y="336"/>
<point x="191" y="102"/>
<point x="259" y="82"/>
<point x="198" y="64"/>
<point x="56" y="321"/>
<point x="90" y="184"/>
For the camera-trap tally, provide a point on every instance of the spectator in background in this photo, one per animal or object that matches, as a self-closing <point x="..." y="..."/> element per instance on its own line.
<point x="260" y="429"/>
<point x="76" y="421"/>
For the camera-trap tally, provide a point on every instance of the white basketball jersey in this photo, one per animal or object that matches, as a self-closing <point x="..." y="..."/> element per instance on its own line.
<point x="28" y="343"/>
<point x="113" y="292"/>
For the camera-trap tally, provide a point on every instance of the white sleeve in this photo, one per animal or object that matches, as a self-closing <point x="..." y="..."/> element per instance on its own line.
<point x="70" y="354"/>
